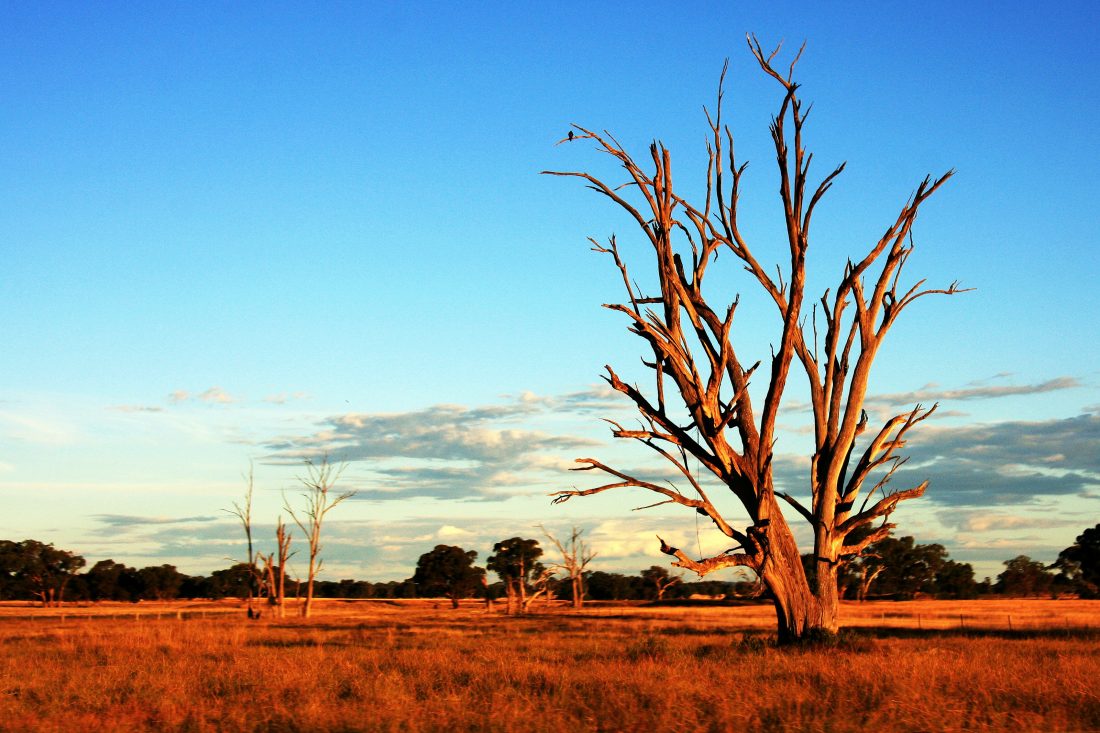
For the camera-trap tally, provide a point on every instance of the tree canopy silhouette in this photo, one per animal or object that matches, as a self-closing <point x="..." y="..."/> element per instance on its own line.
<point x="448" y="571"/>
<point x="1080" y="563"/>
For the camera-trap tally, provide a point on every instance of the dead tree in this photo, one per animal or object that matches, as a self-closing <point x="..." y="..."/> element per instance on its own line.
<point x="274" y="573"/>
<point x="575" y="557"/>
<point x="714" y="419"/>
<point x="867" y="575"/>
<point x="661" y="580"/>
<point x="541" y="587"/>
<point x="319" y="501"/>
<point x="243" y="512"/>
<point x="282" y="540"/>
<point x="268" y="587"/>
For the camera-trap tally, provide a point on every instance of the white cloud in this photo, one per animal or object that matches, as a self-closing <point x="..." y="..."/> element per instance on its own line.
<point x="451" y="532"/>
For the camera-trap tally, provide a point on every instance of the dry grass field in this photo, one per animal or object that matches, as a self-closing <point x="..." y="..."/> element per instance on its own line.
<point x="413" y="666"/>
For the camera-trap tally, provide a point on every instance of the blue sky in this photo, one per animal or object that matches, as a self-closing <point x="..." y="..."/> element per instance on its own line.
<point x="232" y="233"/>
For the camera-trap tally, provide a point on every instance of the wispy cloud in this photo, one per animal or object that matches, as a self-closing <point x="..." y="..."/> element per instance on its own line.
<point x="128" y="520"/>
<point x="38" y="430"/>
<point x="212" y="396"/>
<point x="136" y="408"/>
<point x="885" y="404"/>
<point x="984" y="520"/>
<point x="933" y="393"/>
<point x="598" y="398"/>
<point x="216" y="396"/>
<point x="992" y="378"/>
<point x="444" y="451"/>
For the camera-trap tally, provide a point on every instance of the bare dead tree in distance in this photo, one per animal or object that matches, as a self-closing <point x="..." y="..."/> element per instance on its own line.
<point x="726" y="431"/>
<point x="575" y="556"/>
<point x="282" y="541"/>
<point x="660" y="579"/>
<point x="319" y="500"/>
<point x="274" y="571"/>
<point x="243" y="512"/>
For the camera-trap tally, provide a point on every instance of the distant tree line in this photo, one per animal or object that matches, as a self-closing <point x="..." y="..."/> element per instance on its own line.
<point x="902" y="569"/>
<point x="891" y="568"/>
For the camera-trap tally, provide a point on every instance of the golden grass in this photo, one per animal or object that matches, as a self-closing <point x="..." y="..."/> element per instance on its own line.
<point x="408" y="666"/>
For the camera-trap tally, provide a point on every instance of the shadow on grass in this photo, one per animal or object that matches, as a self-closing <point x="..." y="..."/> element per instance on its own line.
<point x="705" y="602"/>
<point x="1087" y="634"/>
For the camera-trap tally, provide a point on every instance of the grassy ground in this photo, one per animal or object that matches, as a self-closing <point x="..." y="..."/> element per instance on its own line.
<point x="413" y="667"/>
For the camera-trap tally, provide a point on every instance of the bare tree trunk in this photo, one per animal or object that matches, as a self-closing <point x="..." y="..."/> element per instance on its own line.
<point x="510" y="591"/>
<point x="281" y="585"/>
<point x="307" y="609"/>
<point x="268" y="586"/>
<point x="541" y="588"/>
<point x="796" y="608"/>
<point x="865" y="579"/>
<point x="828" y="595"/>
<point x="662" y="586"/>
<point x="282" y="539"/>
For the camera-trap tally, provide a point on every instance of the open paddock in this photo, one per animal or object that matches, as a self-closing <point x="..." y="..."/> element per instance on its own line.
<point x="420" y="666"/>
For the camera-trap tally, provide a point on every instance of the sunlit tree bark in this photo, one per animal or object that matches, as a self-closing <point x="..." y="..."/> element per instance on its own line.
<point x="700" y="405"/>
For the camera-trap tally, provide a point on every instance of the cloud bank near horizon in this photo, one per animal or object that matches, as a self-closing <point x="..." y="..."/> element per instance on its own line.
<point x="449" y="451"/>
<point x="1023" y="484"/>
<point x="459" y="452"/>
